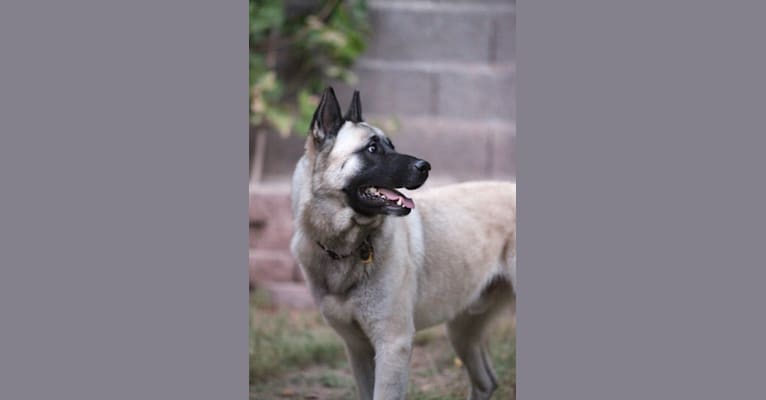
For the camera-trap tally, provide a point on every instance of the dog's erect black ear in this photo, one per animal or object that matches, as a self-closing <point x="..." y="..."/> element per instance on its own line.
<point x="327" y="117"/>
<point x="354" y="113"/>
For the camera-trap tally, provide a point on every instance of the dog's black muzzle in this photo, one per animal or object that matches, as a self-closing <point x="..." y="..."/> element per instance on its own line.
<point x="405" y="171"/>
<point x="388" y="171"/>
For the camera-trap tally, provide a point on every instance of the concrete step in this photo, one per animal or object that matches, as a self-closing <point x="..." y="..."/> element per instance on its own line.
<point x="290" y="295"/>
<point x="273" y="266"/>
<point x="269" y="203"/>
<point x="270" y="233"/>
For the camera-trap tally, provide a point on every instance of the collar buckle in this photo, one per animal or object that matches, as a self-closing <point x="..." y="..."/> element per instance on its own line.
<point x="365" y="250"/>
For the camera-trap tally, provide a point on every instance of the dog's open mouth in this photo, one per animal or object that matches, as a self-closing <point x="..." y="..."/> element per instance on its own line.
<point x="387" y="197"/>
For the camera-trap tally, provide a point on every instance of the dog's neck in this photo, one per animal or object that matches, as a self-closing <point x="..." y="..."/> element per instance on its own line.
<point x="335" y="225"/>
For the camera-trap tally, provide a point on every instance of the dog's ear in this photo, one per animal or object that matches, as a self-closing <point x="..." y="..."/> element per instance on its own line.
<point x="327" y="117"/>
<point x="354" y="113"/>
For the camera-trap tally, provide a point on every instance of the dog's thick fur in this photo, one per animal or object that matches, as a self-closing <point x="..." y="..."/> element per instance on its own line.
<point x="451" y="259"/>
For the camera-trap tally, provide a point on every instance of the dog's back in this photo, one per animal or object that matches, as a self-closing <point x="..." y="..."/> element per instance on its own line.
<point x="469" y="241"/>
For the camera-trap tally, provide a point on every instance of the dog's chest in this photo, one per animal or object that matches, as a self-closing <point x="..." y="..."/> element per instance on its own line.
<point x="338" y="311"/>
<point x="336" y="279"/>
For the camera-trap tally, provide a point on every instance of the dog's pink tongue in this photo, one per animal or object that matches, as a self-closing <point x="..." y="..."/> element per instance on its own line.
<point x="393" y="195"/>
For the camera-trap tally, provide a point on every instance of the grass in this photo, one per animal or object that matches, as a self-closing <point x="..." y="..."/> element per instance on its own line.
<point x="282" y="340"/>
<point x="294" y="354"/>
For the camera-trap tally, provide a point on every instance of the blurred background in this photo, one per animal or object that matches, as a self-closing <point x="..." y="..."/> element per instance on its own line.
<point x="436" y="75"/>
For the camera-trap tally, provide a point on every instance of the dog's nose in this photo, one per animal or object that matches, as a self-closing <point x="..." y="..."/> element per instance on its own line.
<point x="422" y="165"/>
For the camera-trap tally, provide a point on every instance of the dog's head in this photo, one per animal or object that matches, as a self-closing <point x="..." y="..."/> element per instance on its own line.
<point x="357" y="163"/>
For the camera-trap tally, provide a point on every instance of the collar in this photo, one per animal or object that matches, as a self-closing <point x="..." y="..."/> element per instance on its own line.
<point x="364" y="250"/>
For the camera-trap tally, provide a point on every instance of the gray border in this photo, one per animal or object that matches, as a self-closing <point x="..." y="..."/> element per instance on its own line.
<point x="123" y="239"/>
<point x="123" y="220"/>
<point x="641" y="166"/>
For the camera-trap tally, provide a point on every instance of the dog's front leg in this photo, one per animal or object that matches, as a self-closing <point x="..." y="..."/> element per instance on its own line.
<point x="361" y="356"/>
<point x="392" y="366"/>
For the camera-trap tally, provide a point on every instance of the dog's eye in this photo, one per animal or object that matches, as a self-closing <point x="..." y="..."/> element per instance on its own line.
<point x="372" y="148"/>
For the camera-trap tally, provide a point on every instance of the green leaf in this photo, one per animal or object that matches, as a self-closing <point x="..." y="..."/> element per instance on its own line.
<point x="280" y="120"/>
<point x="265" y="15"/>
<point x="292" y="57"/>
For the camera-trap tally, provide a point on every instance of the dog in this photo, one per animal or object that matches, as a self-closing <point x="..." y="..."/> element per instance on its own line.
<point x="380" y="268"/>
